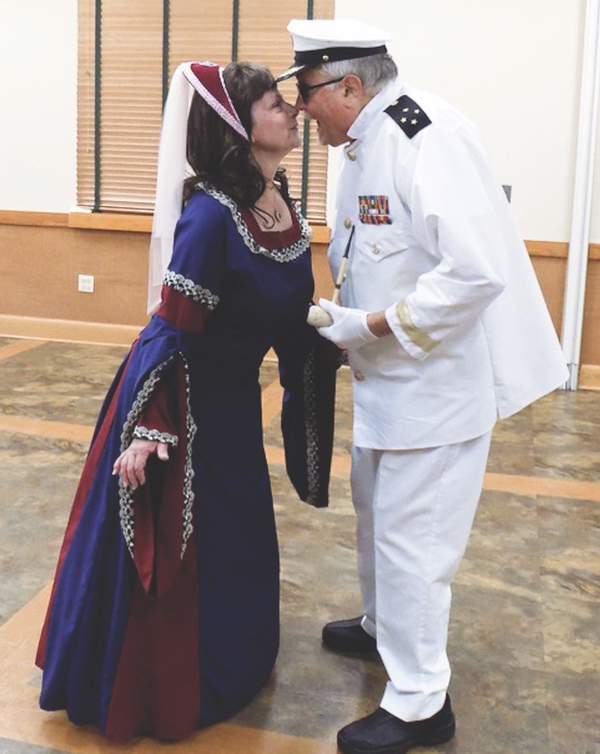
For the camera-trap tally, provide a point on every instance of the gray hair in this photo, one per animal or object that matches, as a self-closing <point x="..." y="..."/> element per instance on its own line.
<point x="375" y="71"/>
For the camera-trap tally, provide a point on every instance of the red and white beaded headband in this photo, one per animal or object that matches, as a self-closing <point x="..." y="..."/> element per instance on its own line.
<point x="207" y="80"/>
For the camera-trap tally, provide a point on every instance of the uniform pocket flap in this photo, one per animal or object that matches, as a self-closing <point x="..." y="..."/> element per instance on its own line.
<point x="379" y="243"/>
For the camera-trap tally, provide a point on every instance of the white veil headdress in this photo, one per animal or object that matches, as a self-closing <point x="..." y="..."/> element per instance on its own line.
<point x="207" y="79"/>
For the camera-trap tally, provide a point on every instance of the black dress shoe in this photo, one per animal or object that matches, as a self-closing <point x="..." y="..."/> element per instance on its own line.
<point x="382" y="733"/>
<point x="348" y="636"/>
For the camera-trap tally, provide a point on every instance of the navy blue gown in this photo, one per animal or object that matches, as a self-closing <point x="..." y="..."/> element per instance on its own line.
<point x="164" y="615"/>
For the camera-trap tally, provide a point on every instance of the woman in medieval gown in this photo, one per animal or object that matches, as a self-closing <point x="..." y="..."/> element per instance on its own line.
<point x="164" y="615"/>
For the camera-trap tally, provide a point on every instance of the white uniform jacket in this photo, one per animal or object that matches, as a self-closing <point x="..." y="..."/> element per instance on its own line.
<point x="436" y="246"/>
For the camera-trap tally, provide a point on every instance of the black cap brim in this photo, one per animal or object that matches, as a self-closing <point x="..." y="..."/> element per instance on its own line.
<point x="312" y="58"/>
<point x="293" y="70"/>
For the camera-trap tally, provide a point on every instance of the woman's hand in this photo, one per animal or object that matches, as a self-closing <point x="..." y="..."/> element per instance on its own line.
<point x="131" y="464"/>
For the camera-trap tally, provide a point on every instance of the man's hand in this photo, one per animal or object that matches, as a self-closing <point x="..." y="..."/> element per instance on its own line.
<point x="349" y="328"/>
<point x="131" y="464"/>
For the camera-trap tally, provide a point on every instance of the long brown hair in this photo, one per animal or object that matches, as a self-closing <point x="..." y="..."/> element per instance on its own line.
<point x="217" y="154"/>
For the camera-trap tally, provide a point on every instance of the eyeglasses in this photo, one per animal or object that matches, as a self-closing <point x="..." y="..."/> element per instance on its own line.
<point x="304" y="89"/>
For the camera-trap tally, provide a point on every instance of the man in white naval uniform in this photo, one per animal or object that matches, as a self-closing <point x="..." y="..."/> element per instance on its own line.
<point x="446" y="330"/>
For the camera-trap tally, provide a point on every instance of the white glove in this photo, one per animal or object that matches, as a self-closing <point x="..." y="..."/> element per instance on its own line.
<point x="349" y="328"/>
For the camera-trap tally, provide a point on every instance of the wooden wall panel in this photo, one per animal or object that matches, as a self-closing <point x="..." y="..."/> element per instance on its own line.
<point x="550" y="273"/>
<point x="590" y="347"/>
<point x="39" y="266"/>
<point x="323" y="279"/>
<point x="55" y="257"/>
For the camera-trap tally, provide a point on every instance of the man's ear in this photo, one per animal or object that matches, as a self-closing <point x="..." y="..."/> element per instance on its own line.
<point x="353" y="86"/>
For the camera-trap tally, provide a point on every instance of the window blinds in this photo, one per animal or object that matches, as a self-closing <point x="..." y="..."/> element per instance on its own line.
<point x="124" y="49"/>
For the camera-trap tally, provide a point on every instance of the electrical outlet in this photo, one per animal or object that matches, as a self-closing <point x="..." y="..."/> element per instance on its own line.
<point x="85" y="283"/>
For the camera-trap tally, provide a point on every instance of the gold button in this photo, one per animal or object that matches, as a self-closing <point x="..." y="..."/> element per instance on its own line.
<point x="359" y="376"/>
<point x="351" y="156"/>
<point x="347" y="223"/>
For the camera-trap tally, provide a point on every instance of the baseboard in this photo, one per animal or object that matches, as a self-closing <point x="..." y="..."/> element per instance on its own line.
<point x="67" y="330"/>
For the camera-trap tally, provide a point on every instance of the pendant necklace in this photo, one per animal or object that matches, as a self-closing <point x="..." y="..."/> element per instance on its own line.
<point x="276" y="213"/>
<point x="270" y="219"/>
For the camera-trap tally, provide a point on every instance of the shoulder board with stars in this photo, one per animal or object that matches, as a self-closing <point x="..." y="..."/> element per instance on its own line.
<point x="408" y="115"/>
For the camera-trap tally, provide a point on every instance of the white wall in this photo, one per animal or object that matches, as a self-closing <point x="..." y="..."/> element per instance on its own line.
<point x="514" y="68"/>
<point x="38" y="90"/>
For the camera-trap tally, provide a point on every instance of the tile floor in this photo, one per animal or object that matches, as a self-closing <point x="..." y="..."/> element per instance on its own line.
<point x="525" y="629"/>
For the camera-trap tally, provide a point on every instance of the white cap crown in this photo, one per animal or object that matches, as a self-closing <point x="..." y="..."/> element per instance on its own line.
<point x="318" y="41"/>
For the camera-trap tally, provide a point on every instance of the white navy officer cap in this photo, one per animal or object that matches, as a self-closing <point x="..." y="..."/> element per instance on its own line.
<point x="318" y="41"/>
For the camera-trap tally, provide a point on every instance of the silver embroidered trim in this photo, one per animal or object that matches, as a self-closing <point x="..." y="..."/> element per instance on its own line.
<point x="125" y="492"/>
<point x="186" y="286"/>
<point x="143" y="433"/>
<point x="310" y="420"/>
<point x="287" y="254"/>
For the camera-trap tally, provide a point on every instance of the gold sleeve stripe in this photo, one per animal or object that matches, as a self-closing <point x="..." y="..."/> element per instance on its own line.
<point x="418" y="337"/>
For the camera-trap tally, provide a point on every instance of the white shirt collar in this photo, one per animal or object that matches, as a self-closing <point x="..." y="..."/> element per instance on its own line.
<point x="380" y="101"/>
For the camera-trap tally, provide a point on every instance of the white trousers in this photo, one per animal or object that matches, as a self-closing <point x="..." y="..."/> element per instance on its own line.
<point x="415" y="511"/>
